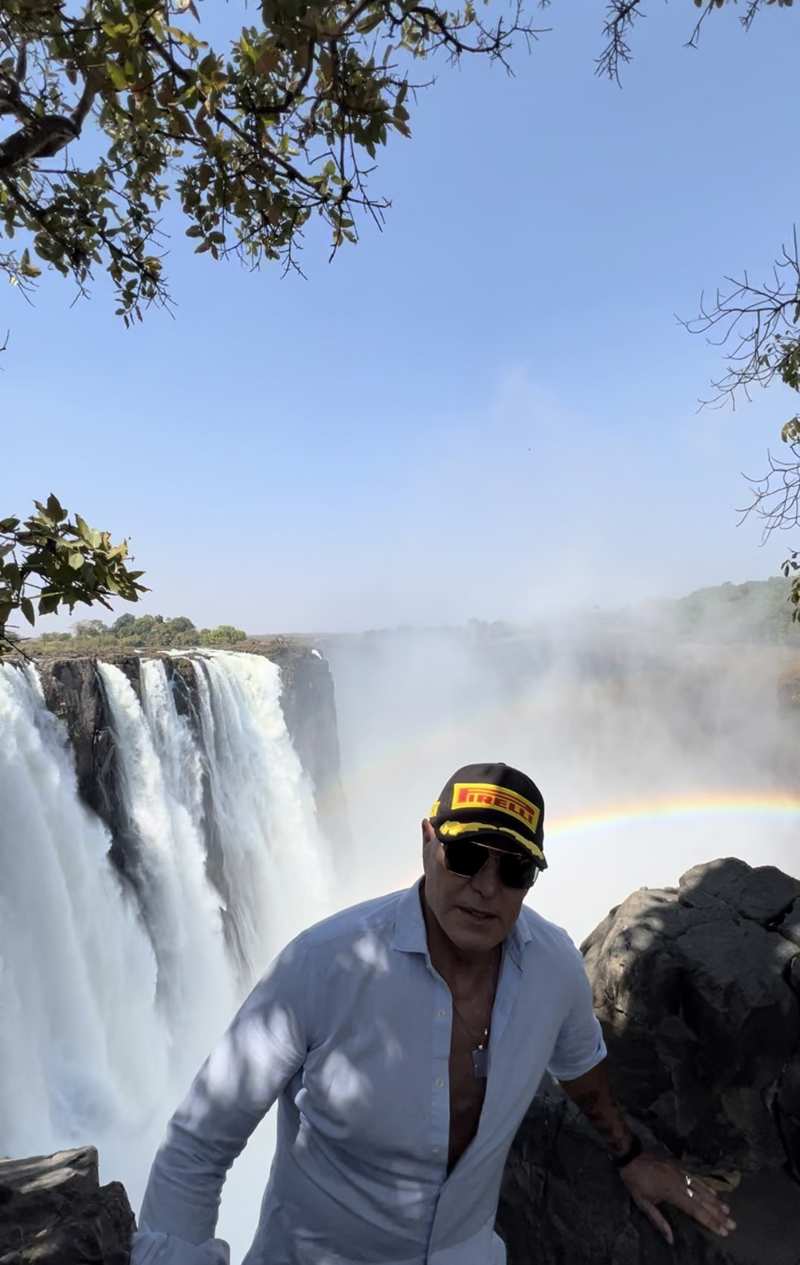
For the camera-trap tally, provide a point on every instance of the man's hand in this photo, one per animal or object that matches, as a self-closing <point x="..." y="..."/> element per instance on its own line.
<point x="652" y="1181"/>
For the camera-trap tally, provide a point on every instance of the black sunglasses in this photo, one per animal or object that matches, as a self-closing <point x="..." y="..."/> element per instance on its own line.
<point x="466" y="857"/>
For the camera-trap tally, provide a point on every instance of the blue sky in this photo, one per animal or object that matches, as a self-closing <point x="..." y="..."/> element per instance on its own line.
<point x="487" y="410"/>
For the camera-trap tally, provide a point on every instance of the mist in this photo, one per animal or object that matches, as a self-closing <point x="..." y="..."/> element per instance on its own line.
<point x="657" y="746"/>
<point x="605" y="715"/>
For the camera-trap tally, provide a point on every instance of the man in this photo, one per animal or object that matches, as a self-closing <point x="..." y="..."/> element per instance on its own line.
<point x="404" y="1040"/>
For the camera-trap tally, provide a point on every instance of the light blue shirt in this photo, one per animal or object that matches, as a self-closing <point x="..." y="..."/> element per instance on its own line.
<point x="350" y="1031"/>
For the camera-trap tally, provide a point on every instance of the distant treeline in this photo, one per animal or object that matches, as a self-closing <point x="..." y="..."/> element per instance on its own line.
<point x="755" y="611"/>
<point x="152" y="632"/>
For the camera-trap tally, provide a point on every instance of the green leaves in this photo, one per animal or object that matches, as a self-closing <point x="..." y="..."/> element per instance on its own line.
<point x="117" y="76"/>
<point x="186" y="38"/>
<point x="60" y="561"/>
<point x="26" y="267"/>
<point x="372" y="20"/>
<point x="151" y="631"/>
<point x="49" y="603"/>
<point x="85" y="532"/>
<point x="790" y="431"/>
<point x="239" y="133"/>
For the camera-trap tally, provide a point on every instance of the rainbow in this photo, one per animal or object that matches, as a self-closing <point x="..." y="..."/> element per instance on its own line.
<point x="781" y="803"/>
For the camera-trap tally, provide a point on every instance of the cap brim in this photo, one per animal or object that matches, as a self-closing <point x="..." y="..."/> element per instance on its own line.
<point x="494" y="836"/>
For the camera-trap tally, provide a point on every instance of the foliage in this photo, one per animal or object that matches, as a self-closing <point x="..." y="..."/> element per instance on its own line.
<point x="89" y="628"/>
<point x="222" y="634"/>
<point x="50" y="560"/>
<point x="754" y="612"/>
<point x="147" y="632"/>
<point x="791" y="567"/>
<point x="253" y="138"/>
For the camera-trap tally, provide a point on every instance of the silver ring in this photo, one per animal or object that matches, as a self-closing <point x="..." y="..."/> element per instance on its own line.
<point x="687" y="1177"/>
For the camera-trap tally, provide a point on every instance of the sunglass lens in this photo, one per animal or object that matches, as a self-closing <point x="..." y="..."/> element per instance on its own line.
<point x="517" y="871"/>
<point x="464" y="857"/>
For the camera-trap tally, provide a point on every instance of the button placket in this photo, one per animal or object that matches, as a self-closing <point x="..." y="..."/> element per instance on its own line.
<point x="440" y="1099"/>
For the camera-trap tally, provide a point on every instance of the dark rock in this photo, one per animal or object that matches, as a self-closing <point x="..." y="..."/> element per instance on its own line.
<point x="763" y="893"/>
<point x="309" y="705"/>
<point x="789" y="927"/>
<point x="53" y="1211"/>
<point x="562" y="1203"/>
<point x="181" y="674"/>
<point x="699" y="1013"/>
<point x="73" y="692"/>
<point x="697" y="991"/>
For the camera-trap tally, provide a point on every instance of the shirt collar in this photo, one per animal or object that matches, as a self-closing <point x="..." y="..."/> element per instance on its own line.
<point x="410" y="935"/>
<point x="517" y="939"/>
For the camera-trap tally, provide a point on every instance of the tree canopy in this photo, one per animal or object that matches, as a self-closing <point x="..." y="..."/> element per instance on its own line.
<point x="51" y="560"/>
<point x="118" y="106"/>
<point x="144" y="632"/>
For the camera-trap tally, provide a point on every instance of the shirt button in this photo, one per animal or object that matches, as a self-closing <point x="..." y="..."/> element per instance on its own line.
<point x="439" y="1083"/>
<point x="442" y="1014"/>
<point x="437" y="1150"/>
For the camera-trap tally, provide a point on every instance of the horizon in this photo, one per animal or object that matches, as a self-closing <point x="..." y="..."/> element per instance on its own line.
<point x="629" y="612"/>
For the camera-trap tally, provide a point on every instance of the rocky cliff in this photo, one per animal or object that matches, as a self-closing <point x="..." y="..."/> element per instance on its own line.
<point x="698" y="991"/>
<point x="53" y="1211"/>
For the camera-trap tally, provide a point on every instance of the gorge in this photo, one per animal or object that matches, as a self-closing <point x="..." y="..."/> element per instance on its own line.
<point x="171" y="819"/>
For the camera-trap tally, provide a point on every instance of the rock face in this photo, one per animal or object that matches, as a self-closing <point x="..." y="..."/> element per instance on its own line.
<point x="562" y="1203"/>
<point x="309" y="705"/>
<point x="53" y="1211"/>
<point x="72" y="692"/>
<point x="698" y="992"/>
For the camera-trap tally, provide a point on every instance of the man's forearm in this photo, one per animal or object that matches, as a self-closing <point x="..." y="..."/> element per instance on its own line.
<point x="592" y="1093"/>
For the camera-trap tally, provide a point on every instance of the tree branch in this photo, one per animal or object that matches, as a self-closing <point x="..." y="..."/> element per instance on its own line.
<point x="621" y="15"/>
<point x="85" y="104"/>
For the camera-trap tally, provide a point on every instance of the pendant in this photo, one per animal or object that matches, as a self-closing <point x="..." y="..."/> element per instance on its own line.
<point x="480" y="1062"/>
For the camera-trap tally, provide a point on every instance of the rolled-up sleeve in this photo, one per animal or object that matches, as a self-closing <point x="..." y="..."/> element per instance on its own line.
<point x="265" y="1045"/>
<point x="579" y="1046"/>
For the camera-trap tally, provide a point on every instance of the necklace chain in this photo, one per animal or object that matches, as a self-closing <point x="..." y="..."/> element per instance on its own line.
<point x="480" y="1042"/>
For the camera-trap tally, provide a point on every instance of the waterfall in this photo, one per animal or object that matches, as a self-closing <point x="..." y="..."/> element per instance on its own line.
<point x="275" y="864"/>
<point x="82" y="1047"/>
<point x="159" y="771"/>
<point x="112" y="991"/>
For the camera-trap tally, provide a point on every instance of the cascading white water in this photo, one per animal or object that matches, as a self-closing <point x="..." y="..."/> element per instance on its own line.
<point x="159" y="770"/>
<point x="112" y="993"/>
<point x="275" y="860"/>
<point x="82" y="1047"/>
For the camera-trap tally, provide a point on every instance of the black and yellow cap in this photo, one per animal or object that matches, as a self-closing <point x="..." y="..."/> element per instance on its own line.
<point x="492" y="799"/>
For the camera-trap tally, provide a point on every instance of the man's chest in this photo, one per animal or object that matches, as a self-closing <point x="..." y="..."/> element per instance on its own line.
<point x="467" y="1091"/>
<point x="393" y="1073"/>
